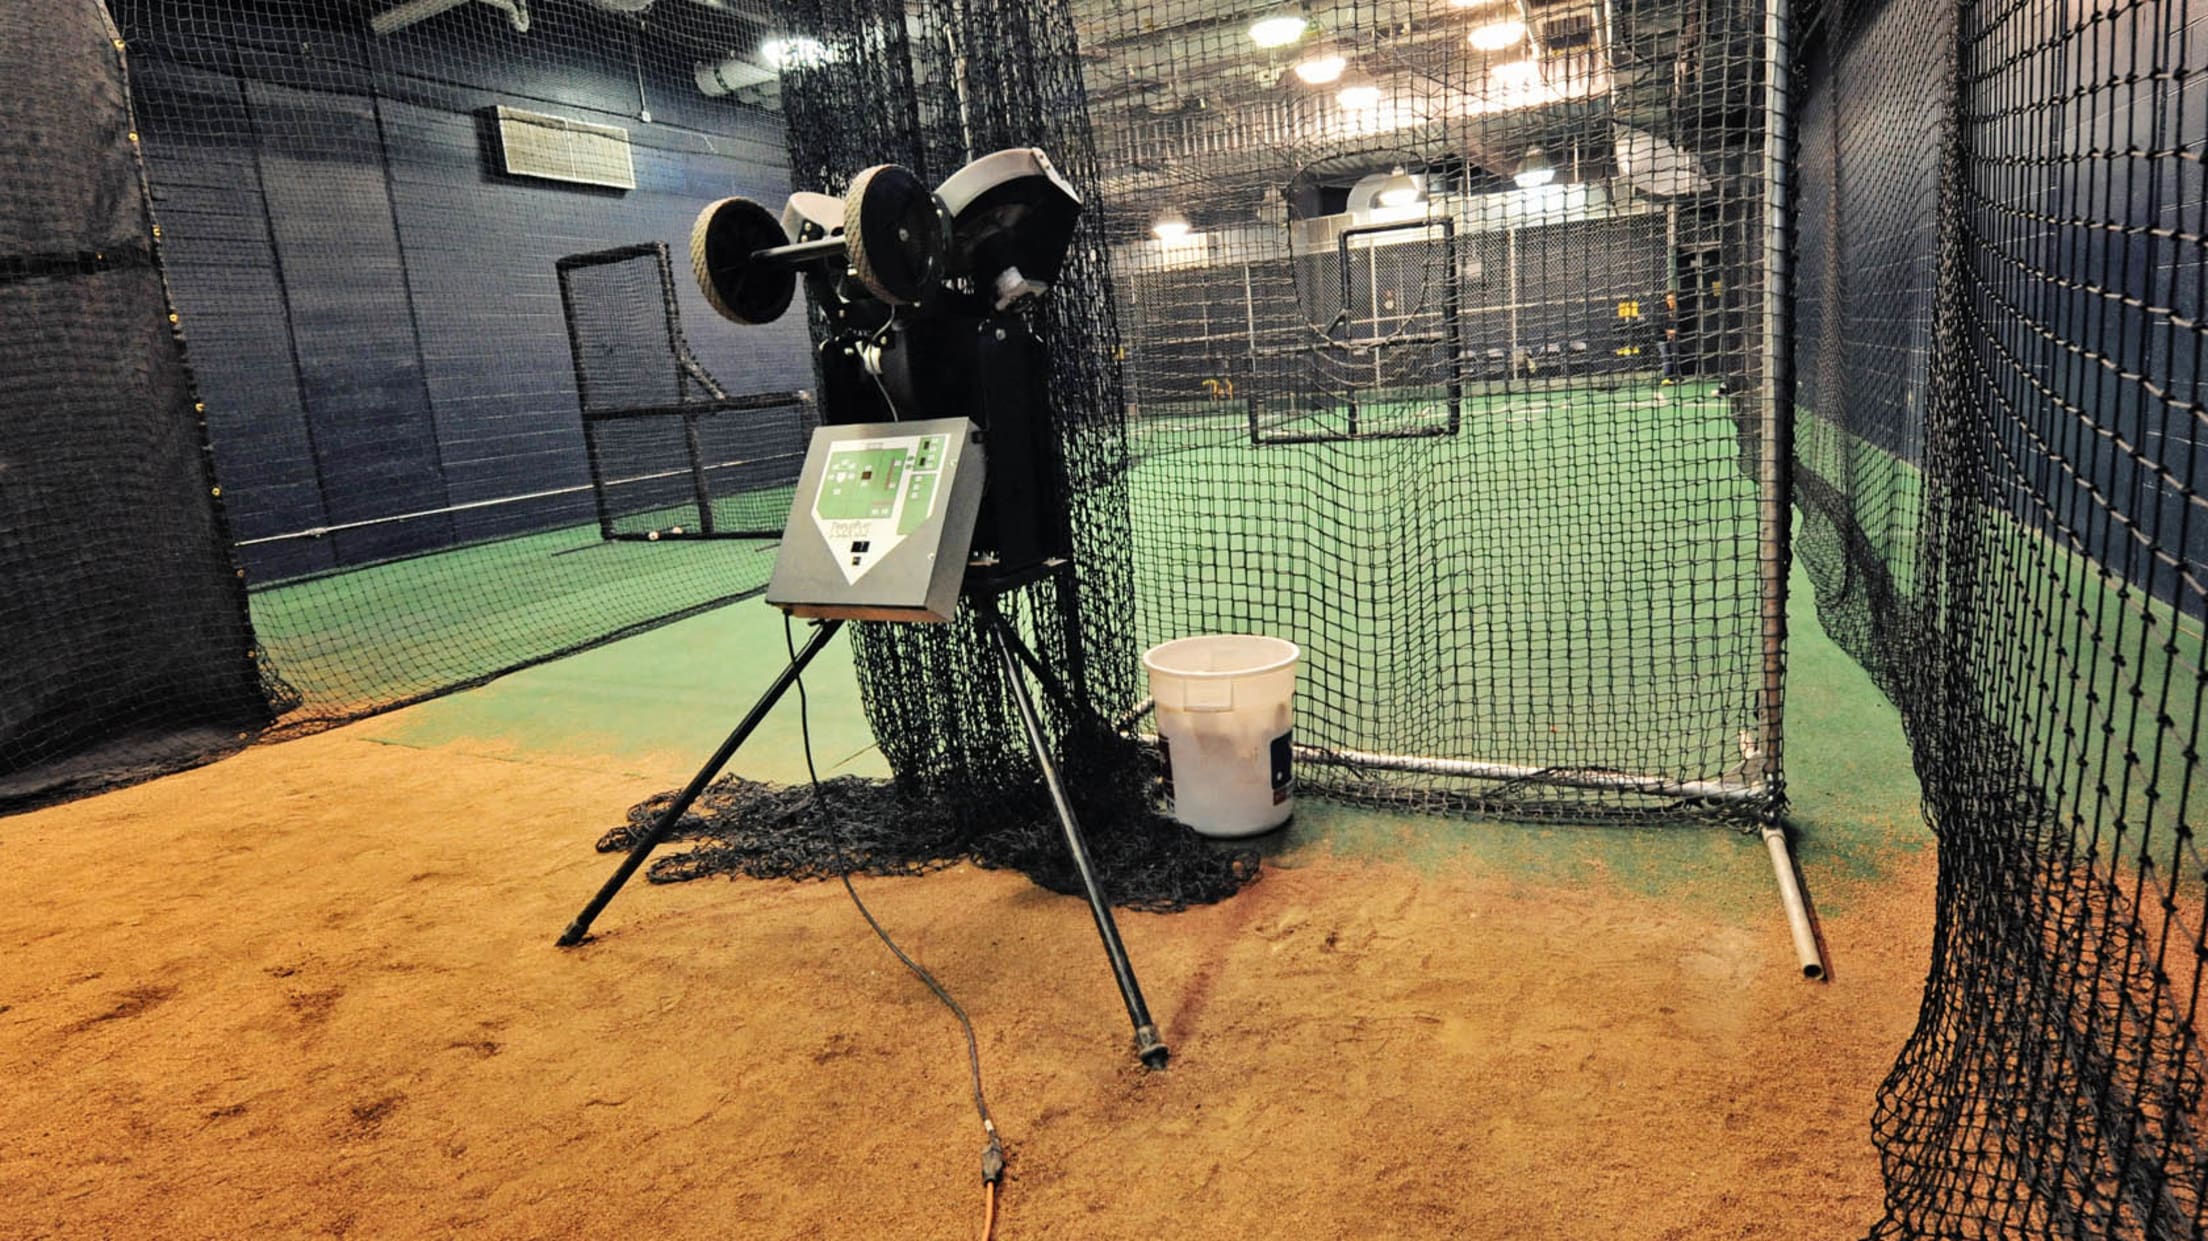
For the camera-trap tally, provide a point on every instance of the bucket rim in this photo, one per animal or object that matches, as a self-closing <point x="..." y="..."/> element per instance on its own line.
<point x="1287" y="660"/>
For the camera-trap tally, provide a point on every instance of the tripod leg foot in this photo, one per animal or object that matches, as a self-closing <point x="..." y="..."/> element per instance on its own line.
<point x="1149" y="1048"/>
<point x="579" y="929"/>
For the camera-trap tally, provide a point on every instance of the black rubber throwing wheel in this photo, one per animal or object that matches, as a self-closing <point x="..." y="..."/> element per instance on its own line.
<point x="722" y="242"/>
<point x="896" y="233"/>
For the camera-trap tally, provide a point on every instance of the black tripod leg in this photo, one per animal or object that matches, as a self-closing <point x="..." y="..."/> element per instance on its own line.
<point x="1052" y="686"/>
<point x="642" y="849"/>
<point x="1148" y="1045"/>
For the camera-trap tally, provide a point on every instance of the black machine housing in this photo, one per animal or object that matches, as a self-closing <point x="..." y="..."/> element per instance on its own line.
<point x="989" y="368"/>
<point x="925" y="297"/>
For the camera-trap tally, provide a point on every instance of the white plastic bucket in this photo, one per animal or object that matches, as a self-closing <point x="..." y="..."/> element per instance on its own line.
<point x="1225" y="727"/>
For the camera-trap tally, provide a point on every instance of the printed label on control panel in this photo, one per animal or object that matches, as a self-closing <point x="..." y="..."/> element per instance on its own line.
<point x="876" y="493"/>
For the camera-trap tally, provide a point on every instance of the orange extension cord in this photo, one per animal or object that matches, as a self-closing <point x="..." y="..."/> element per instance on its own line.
<point x="989" y="1210"/>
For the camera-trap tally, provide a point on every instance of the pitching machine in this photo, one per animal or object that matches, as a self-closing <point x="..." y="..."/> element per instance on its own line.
<point x="928" y="481"/>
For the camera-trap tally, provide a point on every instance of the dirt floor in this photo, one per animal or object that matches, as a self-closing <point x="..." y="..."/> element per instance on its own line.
<point x="311" y="990"/>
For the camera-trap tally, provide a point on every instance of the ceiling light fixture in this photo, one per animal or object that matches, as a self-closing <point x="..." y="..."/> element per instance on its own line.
<point x="1401" y="189"/>
<point x="1359" y="92"/>
<point x="1496" y="36"/>
<point x="798" y="52"/>
<point x="1278" y="30"/>
<point x="1516" y="75"/>
<point x="1535" y="170"/>
<point x="1321" y="65"/>
<point x="1171" y="225"/>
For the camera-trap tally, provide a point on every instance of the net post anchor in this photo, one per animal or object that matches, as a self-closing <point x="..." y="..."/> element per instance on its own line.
<point x="1796" y="905"/>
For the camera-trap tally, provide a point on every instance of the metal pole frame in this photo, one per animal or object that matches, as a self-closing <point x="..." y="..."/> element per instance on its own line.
<point x="1775" y="400"/>
<point x="1010" y="651"/>
<point x="1775" y="467"/>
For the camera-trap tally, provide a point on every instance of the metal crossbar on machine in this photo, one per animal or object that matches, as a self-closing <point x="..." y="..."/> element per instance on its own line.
<point x="928" y="481"/>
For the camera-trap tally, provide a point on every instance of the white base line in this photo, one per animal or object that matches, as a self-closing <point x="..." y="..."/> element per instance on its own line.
<point x="317" y="532"/>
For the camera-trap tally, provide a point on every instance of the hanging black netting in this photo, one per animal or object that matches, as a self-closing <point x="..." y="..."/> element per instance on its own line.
<point x="1998" y="470"/>
<point x="124" y="644"/>
<point x="1446" y="330"/>
<point x="453" y="437"/>
<point x="932" y="86"/>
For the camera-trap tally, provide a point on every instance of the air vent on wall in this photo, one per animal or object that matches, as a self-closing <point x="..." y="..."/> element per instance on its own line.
<point x="532" y="144"/>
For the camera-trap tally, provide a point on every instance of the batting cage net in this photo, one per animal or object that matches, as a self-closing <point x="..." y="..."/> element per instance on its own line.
<point x="124" y="645"/>
<point x="1446" y="340"/>
<point x="451" y="444"/>
<point x="1455" y="342"/>
<point x="2000" y="298"/>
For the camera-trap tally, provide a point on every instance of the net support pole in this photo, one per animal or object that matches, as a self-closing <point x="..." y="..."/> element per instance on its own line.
<point x="1797" y="906"/>
<point x="1774" y="464"/>
<point x="1474" y="769"/>
<point x="1719" y="790"/>
<point x="1777" y="390"/>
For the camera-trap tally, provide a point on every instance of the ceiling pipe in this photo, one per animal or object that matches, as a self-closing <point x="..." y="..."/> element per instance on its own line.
<point x="730" y="74"/>
<point x="399" y="17"/>
<point x="757" y="12"/>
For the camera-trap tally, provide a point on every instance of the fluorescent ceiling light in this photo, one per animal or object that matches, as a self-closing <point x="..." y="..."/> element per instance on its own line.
<point x="1359" y="92"/>
<point x="1535" y="170"/>
<point x="1171" y="225"/>
<point x="794" y="53"/>
<point x="1321" y="68"/>
<point x="1279" y="30"/>
<point x="1401" y="189"/>
<point x="1495" y="36"/>
<point x="1517" y="75"/>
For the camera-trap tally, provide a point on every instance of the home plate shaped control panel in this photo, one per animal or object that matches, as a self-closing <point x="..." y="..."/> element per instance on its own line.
<point x="882" y="522"/>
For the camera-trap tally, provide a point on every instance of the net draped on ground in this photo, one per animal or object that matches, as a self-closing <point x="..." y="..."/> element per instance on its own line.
<point x="857" y="826"/>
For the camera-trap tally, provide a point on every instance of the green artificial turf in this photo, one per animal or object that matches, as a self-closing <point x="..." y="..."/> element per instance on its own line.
<point x="653" y="705"/>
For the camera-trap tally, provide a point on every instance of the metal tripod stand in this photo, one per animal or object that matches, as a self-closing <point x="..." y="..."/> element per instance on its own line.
<point x="1011" y="652"/>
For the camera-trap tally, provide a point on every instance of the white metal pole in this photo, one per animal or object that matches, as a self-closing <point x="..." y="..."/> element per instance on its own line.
<point x="1777" y="395"/>
<point x="399" y="17"/>
<point x="1775" y="467"/>
<point x="1797" y="908"/>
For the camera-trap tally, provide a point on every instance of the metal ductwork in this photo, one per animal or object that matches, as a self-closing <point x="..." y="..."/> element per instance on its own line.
<point x="729" y="75"/>
<point x="399" y="17"/>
